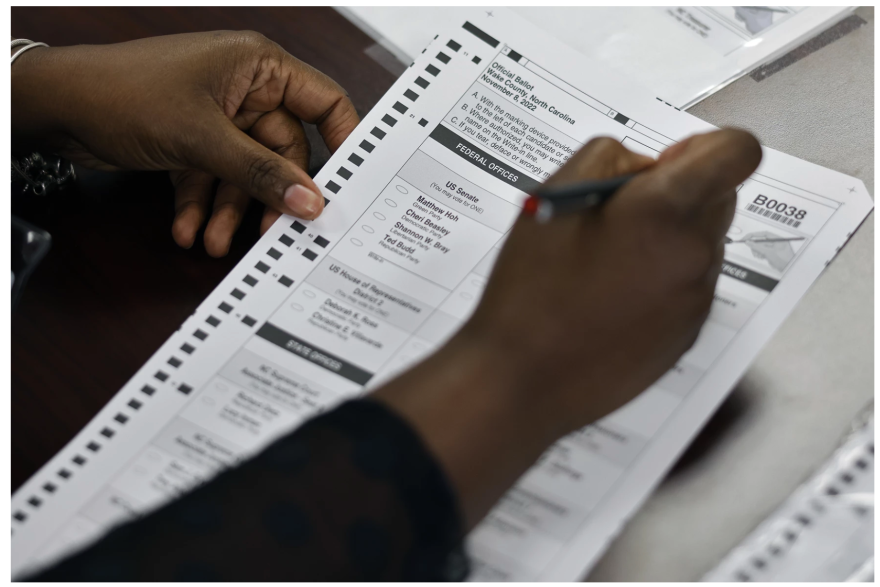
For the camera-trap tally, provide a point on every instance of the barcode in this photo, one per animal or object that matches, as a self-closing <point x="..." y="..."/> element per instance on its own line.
<point x="773" y="215"/>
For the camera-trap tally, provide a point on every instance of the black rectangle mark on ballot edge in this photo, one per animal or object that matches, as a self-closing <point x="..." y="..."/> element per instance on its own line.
<point x="400" y="108"/>
<point x="450" y="140"/>
<point x="313" y="354"/>
<point x="746" y="275"/>
<point x="621" y="118"/>
<point x="514" y="55"/>
<point x="491" y="41"/>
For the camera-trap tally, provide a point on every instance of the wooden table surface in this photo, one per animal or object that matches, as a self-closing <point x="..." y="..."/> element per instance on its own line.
<point x="114" y="285"/>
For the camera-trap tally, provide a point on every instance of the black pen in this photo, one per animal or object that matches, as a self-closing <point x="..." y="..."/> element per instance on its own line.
<point x="549" y="202"/>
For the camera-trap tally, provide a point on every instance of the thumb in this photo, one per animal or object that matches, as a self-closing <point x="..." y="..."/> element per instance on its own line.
<point x="232" y="155"/>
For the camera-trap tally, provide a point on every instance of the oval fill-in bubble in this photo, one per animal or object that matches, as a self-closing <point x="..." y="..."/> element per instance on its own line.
<point x="466" y="295"/>
<point x="308" y="293"/>
<point x="357" y="242"/>
<point x="368" y="229"/>
<point x="401" y="189"/>
<point x="379" y="215"/>
<point x="296" y="307"/>
<point x="391" y="202"/>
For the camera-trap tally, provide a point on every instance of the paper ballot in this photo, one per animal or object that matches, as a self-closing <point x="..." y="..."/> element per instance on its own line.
<point x="421" y="197"/>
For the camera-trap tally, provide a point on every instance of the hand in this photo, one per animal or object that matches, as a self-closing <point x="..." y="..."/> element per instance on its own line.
<point x="225" y="106"/>
<point x="580" y="314"/>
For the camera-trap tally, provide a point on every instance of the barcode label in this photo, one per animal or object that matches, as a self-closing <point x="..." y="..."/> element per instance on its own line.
<point x="773" y="215"/>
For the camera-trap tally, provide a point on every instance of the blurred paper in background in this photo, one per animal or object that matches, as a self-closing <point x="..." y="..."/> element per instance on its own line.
<point x="682" y="54"/>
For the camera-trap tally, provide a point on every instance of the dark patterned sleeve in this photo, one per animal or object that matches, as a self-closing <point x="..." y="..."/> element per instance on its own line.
<point x="351" y="495"/>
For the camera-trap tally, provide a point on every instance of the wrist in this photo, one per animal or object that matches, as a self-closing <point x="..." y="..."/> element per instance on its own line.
<point x="39" y="96"/>
<point x="469" y="405"/>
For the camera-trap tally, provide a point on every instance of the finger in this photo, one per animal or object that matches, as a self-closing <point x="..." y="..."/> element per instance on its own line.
<point x="270" y="215"/>
<point x="694" y="185"/>
<point x="230" y="204"/>
<point x="674" y="150"/>
<point x="703" y="168"/>
<point x="283" y="132"/>
<point x="237" y="158"/>
<point x="192" y="191"/>
<point x="600" y="158"/>
<point x="317" y="99"/>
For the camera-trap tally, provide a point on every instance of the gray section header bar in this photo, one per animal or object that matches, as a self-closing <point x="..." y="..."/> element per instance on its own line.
<point x="313" y="354"/>
<point x="748" y="276"/>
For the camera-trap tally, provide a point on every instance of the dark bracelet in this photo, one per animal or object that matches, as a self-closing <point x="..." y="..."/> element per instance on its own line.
<point x="41" y="175"/>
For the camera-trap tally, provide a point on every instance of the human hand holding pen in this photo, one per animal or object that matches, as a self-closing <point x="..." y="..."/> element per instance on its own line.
<point x="581" y="313"/>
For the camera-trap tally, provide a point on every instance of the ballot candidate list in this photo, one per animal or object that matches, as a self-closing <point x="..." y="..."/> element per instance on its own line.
<point x="394" y="267"/>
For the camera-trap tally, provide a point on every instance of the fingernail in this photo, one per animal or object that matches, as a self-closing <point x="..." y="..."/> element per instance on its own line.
<point x="302" y="200"/>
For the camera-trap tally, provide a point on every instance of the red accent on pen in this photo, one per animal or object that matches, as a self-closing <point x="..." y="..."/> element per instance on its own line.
<point x="531" y="205"/>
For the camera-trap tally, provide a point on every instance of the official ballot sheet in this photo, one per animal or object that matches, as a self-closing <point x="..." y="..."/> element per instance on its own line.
<point x="421" y="197"/>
